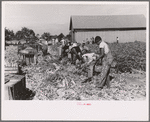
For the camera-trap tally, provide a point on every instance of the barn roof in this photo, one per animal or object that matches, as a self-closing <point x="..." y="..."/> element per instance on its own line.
<point x="108" y="21"/>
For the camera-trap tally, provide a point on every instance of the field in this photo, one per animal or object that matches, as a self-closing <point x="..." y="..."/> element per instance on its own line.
<point x="128" y="55"/>
<point x="51" y="79"/>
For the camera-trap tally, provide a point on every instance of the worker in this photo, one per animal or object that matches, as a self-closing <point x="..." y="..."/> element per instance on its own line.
<point x="117" y="39"/>
<point x="63" y="41"/>
<point x="76" y="53"/>
<point x="84" y="48"/>
<point x="106" y="58"/>
<point x="63" y="50"/>
<point x="62" y="44"/>
<point x="45" y="47"/>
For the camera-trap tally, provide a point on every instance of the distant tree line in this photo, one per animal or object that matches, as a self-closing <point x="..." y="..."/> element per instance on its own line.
<point x="29" y="35"/>
<point x="24" y="33"/>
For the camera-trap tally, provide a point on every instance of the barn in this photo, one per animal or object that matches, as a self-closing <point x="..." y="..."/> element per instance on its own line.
<point x="127" y="28"/>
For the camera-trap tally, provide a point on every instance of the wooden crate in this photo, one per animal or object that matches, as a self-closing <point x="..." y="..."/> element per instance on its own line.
<point x="14" y="86"/>
<point x="11" y="70"/>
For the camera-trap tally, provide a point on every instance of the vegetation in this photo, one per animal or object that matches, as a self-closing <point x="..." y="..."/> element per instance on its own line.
<point x="27" y="34"/>
<point x="23" y="34"/>
<point x="46" y="36"/>
<point x="50" y="79"/>
<point x="127" y="55"/>
<point x="68" y="36"/>
<point x="9" y="34"/>
<point x="60" y="36"/>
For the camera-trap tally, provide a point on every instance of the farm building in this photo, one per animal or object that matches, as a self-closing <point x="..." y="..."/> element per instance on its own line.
<point x="128" y="28"/>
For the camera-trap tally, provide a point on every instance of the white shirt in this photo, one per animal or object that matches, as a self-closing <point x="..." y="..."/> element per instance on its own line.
<point x="104" y="46"/>
<point x="63" y="42"/>
<point x="118" y="39"/>
<point x="89" y="57"/>
<point x="45" y="43"/>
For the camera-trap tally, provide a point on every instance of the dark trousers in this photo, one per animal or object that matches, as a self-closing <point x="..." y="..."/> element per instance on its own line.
<point x="45" y="48"/>
<point x="75" y="56"/>
<point x="105" y="70"/>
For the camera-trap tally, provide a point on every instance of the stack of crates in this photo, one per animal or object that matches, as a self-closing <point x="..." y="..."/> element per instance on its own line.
<point x="11" y="68"/>
<point x="15" y="84"/>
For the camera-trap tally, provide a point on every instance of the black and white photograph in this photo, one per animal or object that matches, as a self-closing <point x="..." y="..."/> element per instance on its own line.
<point x="80" y="53"/>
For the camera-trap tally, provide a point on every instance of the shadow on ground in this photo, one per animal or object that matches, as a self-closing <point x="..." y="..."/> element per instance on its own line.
<point x="27" y="94"/>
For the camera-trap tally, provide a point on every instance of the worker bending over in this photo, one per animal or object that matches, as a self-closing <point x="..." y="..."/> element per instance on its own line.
<point x="84" y="48"/>
<point x="63" y="50"/>
<point x="106" y="58"/>
<point x="45" y="47"/>
<point x="76" y="53"/>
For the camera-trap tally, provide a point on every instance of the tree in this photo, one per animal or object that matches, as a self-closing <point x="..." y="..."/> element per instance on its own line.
<point x="68" y="36"/>
<point x="9" y="34"/>
<point x="38" y="36"/>
<point x="27" y="34"/>
<point x="46" y="36"/>
<point x="19" y="35"/>
<point x="60" y="36"/>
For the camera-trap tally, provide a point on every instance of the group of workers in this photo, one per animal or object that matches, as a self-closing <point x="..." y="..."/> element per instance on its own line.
<point x="76" y="50"/>
<point x="104" y="58"/>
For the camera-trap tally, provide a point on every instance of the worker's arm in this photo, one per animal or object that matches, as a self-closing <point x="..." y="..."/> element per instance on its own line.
<point x="80" y="51"/>
<point x="101" y="55"/>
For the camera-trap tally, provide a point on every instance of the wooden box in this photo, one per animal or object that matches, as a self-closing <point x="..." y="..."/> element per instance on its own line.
<point x="14" y="86"/>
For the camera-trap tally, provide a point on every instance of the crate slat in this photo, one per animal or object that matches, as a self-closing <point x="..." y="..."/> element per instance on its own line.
<point x="14" y="87"/>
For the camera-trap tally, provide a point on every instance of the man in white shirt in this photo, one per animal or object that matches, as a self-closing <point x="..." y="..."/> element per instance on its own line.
<point x="63" y="42"/>
<point x="61" y="46"/>
<point x="44" y="46"/>
<point x="105" y="58"/>
<point x="104" y="46"/>
<point x="117" y="39"/>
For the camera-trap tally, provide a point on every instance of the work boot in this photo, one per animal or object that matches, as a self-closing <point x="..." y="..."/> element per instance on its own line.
<point x="87" y="80"/>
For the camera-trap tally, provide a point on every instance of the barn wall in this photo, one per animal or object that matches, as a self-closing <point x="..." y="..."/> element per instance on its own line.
<point x="110" y="36"/>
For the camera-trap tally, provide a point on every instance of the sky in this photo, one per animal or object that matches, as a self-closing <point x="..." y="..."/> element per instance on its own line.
<point x="54" y="17"/>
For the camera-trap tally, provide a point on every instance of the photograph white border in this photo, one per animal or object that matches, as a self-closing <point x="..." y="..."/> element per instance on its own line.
<point x="71" y="110"/>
